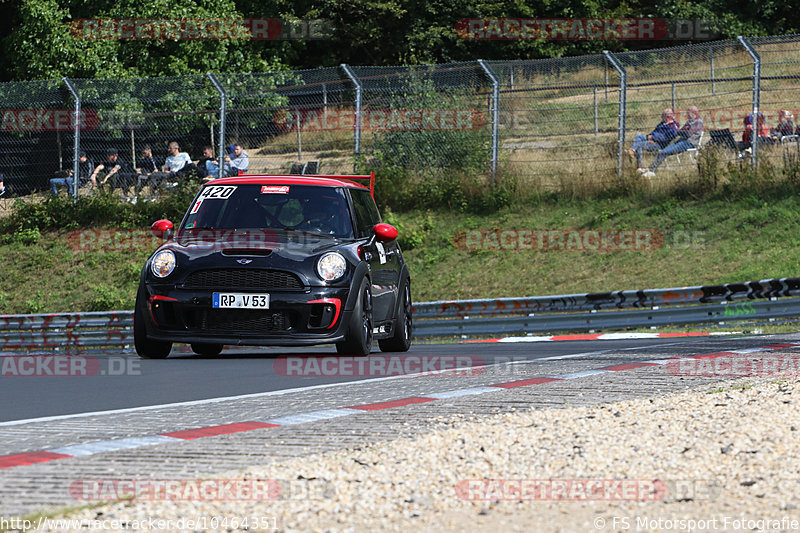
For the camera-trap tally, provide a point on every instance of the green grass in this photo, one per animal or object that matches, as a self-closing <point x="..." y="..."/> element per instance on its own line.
<point x="707" y="242"/>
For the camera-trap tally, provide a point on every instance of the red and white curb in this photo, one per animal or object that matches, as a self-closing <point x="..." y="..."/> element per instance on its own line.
<point x="92" y="448"/>
<point x="604" y="336"/>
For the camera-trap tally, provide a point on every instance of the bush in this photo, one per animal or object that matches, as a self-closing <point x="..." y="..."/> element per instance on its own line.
<point x="109" y="299"/>
<point x="455" y="190"/>
<point x="27" y="219"/>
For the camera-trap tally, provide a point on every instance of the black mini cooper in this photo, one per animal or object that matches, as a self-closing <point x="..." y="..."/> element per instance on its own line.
<point x="276" y="261"/>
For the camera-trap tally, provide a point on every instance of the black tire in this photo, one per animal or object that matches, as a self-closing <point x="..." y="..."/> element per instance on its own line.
<point x="400" y="341"/>
<point x="358" y="339"/>
<point x="145" y="347"/>
<point x="202" y="348"/>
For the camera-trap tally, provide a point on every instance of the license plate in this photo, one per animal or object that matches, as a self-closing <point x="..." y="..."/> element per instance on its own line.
<point x="239" y="300"/>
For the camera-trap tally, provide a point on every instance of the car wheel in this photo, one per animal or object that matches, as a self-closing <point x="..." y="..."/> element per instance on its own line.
<point x="400" y="341"/>
<point x="358" y="339"/>
<point x="202" y="348"/>
<point x="145" y="347"/>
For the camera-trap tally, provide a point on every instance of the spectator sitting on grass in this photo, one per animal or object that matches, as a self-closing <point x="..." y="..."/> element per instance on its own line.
<point x="232" y="167"/>
<point x="660" y="137"/>
<point x="2" y="186"/>
<point x="148" y="168"/>
<point x="785" y="124"/>
<point x="206" y="159"/>
<point x="239" y="163"/>
<point x="176" y="159"/>
<point x="688" y="137"/>
<point x="85" y="168"/>
<point x="114" y="166"/>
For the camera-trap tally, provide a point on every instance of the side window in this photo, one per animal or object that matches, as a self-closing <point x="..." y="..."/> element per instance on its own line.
<point x="366" y="211"/>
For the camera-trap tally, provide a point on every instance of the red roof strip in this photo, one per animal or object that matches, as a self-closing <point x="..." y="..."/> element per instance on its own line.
<point x="327" y="181"/>
<point x="213" y="431"/>
<point x="394" y="403"/>
<point x="29" y="458"/>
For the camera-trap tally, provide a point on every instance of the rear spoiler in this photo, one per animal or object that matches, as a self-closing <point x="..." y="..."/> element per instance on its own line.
<point x="370" y="177"/>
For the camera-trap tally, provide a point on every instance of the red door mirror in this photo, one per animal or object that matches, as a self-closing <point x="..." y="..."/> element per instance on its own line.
<point x="385" y="232"/>
<point x="162" y="229"/>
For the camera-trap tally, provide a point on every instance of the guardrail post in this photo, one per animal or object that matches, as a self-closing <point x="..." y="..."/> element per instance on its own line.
<point x="495" y="114"/>
<point x="623" y="86"/>
<point x="223" y="100"/>
<point x="76" y="141"/>
<point x="756" y="95"/>
<point x="357" y="126"/>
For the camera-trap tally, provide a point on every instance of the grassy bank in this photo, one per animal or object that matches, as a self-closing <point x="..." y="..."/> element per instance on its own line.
<point x="693" y="243"/>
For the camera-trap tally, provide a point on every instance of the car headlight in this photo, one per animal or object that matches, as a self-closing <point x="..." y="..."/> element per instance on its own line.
<point x="163" y="264"/>
<point x="331" y="266"/>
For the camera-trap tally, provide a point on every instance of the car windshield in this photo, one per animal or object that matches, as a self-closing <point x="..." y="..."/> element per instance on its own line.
<point x="308" y="208"/>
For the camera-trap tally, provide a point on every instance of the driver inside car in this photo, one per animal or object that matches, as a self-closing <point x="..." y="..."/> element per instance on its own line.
<point x="321" y="215"/>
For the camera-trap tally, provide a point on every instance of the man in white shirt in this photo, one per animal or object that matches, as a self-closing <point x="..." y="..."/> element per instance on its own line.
<point x="176" y="159"/>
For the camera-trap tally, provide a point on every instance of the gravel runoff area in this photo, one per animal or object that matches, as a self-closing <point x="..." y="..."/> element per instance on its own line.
<point x="714" y="458"/>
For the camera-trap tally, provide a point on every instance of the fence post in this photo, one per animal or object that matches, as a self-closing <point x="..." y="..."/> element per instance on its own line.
<point x="495" y="114"/>
<point x="623" y="87"/>
<point x="713" y="81"/>
<point x="76" y="142"/>
<point x="756" y="95"/>
<point x="223" y="101"/>
<point x="299" y="136"/>
<point x="357" y="126"/>
<point x="594" y="100"/>
<point x="673" y="96"/>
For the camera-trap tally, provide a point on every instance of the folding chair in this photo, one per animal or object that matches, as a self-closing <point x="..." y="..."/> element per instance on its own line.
<point x="312" y="167"/>
<point x="692" y="151"/>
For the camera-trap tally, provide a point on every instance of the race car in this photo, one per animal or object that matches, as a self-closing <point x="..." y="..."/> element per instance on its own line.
<point x="276" y="261"/>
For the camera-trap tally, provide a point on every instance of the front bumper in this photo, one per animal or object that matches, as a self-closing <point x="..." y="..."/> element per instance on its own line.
<point x="298" y="318"/>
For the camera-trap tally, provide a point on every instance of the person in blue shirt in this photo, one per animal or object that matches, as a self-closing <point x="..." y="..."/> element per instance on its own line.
<point x="688" y="138"/>
<point x="85" y="167"/>
<point x="657" y="139"/>
<point x="236" y="162"/>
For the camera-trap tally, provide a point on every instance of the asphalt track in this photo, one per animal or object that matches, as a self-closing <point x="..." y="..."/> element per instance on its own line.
<point x="101" y="383"/>
<point x="190" y="416"/>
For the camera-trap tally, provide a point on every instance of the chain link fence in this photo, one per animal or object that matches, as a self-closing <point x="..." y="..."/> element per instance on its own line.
<point x="552" y="123"/>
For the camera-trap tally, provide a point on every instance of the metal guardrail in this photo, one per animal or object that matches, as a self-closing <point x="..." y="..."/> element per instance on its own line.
<point x="112" y="332"/>
<point x="650" y="298"/>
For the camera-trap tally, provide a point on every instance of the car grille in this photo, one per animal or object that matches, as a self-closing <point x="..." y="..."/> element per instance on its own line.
<point x="239" y="321"/>
<point x="242" y="279"/>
